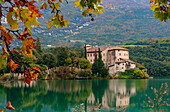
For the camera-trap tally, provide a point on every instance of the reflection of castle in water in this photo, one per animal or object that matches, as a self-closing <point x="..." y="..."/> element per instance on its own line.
<point x="65" y="95"/>
<point x="117" y="95"/>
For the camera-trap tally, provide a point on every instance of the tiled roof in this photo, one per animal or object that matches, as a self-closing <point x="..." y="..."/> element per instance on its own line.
<point x="93" y="49"/>
<point x="128" y="60"/>
<point x="121" y="61"/>
<point x="118" y="48"/>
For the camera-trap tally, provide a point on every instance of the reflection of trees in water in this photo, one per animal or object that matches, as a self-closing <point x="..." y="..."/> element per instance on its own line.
<point x="57" y="95"/>
<point x="65" y="94"/>
<point x="112" y="94"/>
<point x="98" y="88"/>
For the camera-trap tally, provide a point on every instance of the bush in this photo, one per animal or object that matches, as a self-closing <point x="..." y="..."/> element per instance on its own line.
<point x="42" y="75"/>
<point x="133" y="74"/>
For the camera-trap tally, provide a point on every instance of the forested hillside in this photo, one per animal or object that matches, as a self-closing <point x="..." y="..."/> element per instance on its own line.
<point x="153" y="53"/>
<point x="123" y="21"/>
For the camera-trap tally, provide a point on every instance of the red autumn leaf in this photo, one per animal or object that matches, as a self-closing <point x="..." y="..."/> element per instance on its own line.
<point x="12" y="65"/>
<point x="15" y="51"/>
<point x="9" y="106"/>
<point x="33" y="8"/>
<point x="151" y="1"/>
<point x="28" y="45"/>
<point x="27" y="80"/>
<point x="37" y="69"/>
<point x="44" y="5"/>
<point x="2" y="110"/>
<point x="17" y="3"/>
<point x="7" y="37"/>
<point x="24" y="35"/>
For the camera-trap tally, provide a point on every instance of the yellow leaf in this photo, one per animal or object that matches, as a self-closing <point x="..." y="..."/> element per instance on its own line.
<point x="44" y="5"/>
<point x="57" y="5"/>
<point x="153" y="6"/>
<point x="100" y="7"/>
<point x="100" y="12"/>
<point x="77" y="3"/>
<point x="49" y="25"/>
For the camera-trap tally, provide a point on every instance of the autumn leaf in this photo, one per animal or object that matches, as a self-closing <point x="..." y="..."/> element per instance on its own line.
<point x="12" y="65"/>
<point x="8" y="38"/>
<point x="27" y="80"/>
<point x="28" y="45"/>
<point x="77" y="3"/>
<point x="9" y="106"/>
<point x="2" y="110"/>
<point x="44" y="5"/>
<point x="49" y="25"/>
<point x="57" y="5"/>
<point x="152" y="1"/>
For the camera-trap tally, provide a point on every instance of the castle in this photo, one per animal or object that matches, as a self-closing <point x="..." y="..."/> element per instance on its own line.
<point x="115" y="58"/>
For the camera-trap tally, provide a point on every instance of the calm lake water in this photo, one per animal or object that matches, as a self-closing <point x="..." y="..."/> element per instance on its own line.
<point x="68" y="95"/>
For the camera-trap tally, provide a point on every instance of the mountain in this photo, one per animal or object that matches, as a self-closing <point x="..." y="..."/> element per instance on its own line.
<point x="123" y="21"/>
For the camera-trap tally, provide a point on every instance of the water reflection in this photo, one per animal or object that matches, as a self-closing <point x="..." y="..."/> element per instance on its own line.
<point x="65" y="95"/>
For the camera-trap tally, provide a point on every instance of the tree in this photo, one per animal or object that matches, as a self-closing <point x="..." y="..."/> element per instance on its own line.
<point x="38" y="45"/>
<point x="49" y="60"/>
<point x="68" y="62"/>
<point x="61" y="54"/>
<point x="98" y="67"/>
<point x="84" y="63"/>
<point x="27" y="12"/>
<point x="85" y="51"/>
<point x="161" y="9"/>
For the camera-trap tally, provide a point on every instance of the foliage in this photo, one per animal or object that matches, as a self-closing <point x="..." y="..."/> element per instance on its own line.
<point x="141" y="67"/>
<point x="19" y="12"/>
<point x="84" y="63"/>
<point x="68" y="62"/>
<point x="38" y="45"/>
<point x="161" y="9"/>
<point x="154" y="57"/>
<point x="85" y="52"/>
<point x="64" y="72"/>
<point x="61" y="54"/>
<point x="159" y="100"/>
<point x="49" y="60"/>
<point x="133" y="74"/>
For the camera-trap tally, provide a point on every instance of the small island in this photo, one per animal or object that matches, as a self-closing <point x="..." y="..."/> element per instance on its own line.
<point x="88" y="62"/>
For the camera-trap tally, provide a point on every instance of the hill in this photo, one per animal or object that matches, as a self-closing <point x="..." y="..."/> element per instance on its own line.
<point x="154" y="54"/>
<point x="123" y="21"/>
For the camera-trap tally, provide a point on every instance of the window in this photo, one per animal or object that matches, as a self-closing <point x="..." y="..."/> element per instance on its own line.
<point x="119" y="54"/>
<point x="88" y="55"/>
<point x="122" y="67"/>
<point x="94" y="54"/>
<point x="91" y="55"/>
<point x="90" y="60"/>
<point x="123" y="64"/>
<point x="103" y="59"/>
<point x="118" y="63"/>
<point x="104" y="54"/>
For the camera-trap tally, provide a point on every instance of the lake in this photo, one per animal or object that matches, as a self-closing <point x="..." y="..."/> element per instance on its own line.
<point x="70" y="95"/>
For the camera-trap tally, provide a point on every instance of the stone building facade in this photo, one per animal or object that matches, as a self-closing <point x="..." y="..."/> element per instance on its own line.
<point x="115" y="58"/>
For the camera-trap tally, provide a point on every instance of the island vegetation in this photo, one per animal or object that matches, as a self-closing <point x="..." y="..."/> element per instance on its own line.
<point x="62" y="63"/>
<point x="153" y="54"/>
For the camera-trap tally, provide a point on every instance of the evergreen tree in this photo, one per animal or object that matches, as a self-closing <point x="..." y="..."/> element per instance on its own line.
<point x="38" y="45"/>
<point x="85" y="51"/>
<point x="98" y="68"/>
